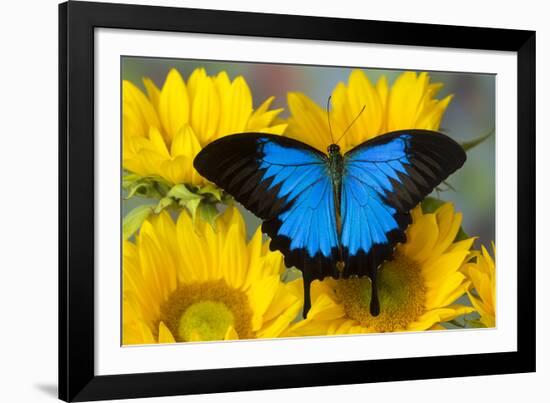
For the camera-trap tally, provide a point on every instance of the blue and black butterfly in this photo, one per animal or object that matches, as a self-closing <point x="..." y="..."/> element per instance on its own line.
<point x="332" y="214"/>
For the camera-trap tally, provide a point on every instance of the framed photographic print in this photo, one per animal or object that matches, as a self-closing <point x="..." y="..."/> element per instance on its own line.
<point x="260" y="201"/>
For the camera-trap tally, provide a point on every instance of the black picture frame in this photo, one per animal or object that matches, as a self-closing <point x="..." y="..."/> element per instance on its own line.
<point x="77" y="378"/>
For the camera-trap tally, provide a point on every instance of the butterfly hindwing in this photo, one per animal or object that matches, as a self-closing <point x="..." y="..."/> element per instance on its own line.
<point x="383" y="179"/>
<point x="285" y="183"/>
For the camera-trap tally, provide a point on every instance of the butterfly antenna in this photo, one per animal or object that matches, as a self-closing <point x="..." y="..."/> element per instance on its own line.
<point x="351" y="124"/>
<point x="328" y="116"/>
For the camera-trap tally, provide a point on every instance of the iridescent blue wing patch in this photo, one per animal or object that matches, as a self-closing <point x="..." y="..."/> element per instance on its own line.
<point x="287" y="184"/>
<point x="383" y="179"/>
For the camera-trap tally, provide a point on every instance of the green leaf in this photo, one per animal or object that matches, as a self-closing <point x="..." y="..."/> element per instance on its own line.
<point x="202" y="201"/>
<point x="135" y="218"/>
<point x="456" y="323"/>
<point x="162" y="204"/>
<point x="211" y="190"/>
<point x="192" y="206"/>
<point x="227" y="199"/>
<point x="153" y="186"/>
<point x="186" y="198"/>
<point x="143" y="189"/>
<point x="183" y="194"/>
<point x="474" y="323"/>
<point x="144" y="186"/>
<point x="449" y="186"/>
<point x="461" y="235"/>
<point x="162" y="187"/>
<point x="471" y="144"/>
<point x="208" y="212"/>
<point x="129" y="179"/>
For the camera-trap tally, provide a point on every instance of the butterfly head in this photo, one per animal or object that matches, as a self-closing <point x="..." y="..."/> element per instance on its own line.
<point x="333" y="149"/>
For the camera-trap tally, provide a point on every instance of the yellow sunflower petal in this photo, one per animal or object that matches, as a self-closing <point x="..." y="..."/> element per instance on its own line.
<point x="362" y="94"/>
<point x="431" y="119"/>
<point x="205" y="111"/>
<point x="165" y="336"/>
<point x="185" y="143"/>
<point x="403" y="102"/>
<point x="196" y="77"/>
<point x="236" y="106"/>
<point x="139" y="113"/>
<point x="383" y="92"/>
<point x="231" y="334"/>
<point x="262" y="117"/>
<point x="153" y="92"/>
<point x="448" y="223"/>
<point x="235" y="252"/>
<point x="137" y="333"/>
<point x="433" y="317"/>
<point x="442" y="267"/>
<point x="157" y="143"/>
<point x="308" y="328"/>
<point x="276" y="129"/>
<point x="447" y="292"/>
<point x="261" y="295"/>
<point x="173" y="104"/>
<point x="325" y="308"/>
<point x="421" y="238"/>
<point x="283" y="298"/>
<point x="177" y="170"/>
<point x="308" y="122"/>
<point x="194" y="256"/>
<point x="256" y="261"/>
<point x="280" y="323"/>
<point x="463" y="245"/>
<point x="480" y="271"/>
<point x="151" y="254"/>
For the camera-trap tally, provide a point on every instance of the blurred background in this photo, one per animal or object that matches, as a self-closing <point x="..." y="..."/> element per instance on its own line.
<point x="470" y="115"/>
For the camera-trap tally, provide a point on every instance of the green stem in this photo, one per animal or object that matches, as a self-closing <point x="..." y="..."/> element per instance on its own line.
<point x="471" y="144"/>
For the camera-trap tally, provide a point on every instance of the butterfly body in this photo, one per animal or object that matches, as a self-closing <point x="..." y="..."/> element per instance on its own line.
<point x="336" y="167"/>
<point x="332" y="214"/>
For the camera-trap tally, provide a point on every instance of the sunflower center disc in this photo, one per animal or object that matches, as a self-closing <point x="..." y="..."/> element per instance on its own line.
<point x="401" y="292"/>
<point x="205" y="312"/>
<point x="205" y="320"/>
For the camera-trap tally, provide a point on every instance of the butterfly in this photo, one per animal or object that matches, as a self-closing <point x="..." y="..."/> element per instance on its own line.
<point x="333" y="214"/>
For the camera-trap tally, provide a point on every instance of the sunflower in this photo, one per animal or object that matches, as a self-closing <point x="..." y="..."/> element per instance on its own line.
<point x="480" y="270"/>
<point x="164" y="129"/>
<point x="417" y="288"/>
<point x="408" y="104"/>
<point x="185" y="282"/>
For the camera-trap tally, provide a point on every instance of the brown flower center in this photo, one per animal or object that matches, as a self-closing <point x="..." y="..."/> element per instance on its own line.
<point x="401" y="291"/>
